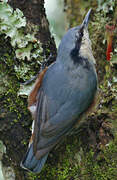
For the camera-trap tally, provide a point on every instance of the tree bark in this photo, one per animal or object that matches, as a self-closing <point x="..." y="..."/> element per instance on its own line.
<point x="15" y="120"/>
<point x="35" y="13"/>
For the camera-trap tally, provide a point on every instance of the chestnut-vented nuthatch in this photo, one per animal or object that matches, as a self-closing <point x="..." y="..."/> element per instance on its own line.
<point x="63" y="92"/>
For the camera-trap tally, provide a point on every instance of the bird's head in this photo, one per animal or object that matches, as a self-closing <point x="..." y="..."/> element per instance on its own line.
<point x="76" y="43"/>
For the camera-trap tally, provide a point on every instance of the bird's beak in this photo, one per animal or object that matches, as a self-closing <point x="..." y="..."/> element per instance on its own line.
<point x="86" y="20"/>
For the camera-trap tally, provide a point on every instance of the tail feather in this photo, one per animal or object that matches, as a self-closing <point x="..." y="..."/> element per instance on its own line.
<point x="31" y="163"/>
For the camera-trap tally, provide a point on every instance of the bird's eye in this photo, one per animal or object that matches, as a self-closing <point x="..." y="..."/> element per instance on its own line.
<point x="81" y="32"/>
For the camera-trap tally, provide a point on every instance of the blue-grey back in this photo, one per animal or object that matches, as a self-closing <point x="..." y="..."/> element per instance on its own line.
<point x="69" y="90"/>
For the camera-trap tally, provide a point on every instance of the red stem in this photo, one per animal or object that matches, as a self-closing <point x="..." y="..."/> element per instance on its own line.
<point x="109" y="50"/>
<point x="109" y="32"/>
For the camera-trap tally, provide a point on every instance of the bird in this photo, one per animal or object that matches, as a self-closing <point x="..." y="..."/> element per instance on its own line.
<point x="62" y="94"/>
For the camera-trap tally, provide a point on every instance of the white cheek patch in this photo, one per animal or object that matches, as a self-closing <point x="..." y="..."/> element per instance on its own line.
<point x="85" y="49"/>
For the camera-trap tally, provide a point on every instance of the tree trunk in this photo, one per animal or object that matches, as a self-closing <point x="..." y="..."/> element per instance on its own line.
<point x="15" y="119"/>
<point x="35" y="13"/>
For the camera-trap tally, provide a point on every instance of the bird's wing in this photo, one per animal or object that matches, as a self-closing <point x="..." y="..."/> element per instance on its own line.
<point x="48" y="131"/>
<point x="59" y="105"/>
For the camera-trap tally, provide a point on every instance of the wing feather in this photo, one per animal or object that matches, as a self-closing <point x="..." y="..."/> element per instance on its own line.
<point x="59" y="105"/>
<point x="46" y="133"/>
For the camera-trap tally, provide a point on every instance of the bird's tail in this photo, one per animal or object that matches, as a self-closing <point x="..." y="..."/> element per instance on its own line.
<point x="31" y="163"/>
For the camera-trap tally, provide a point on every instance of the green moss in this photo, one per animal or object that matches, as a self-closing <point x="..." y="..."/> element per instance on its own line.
<point x="20" y="57"/>
<point x="78" y="164"/>
<point x="104" y="167"/>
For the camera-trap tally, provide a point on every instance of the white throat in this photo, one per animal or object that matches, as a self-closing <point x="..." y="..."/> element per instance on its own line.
<point x="85" y="49"/>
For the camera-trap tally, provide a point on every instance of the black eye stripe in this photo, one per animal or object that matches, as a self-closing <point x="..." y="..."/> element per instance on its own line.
<point x="81" y="32"/>
<point x="75" y="52"/>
